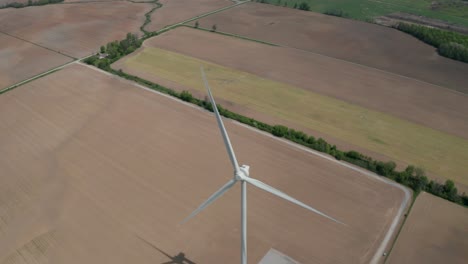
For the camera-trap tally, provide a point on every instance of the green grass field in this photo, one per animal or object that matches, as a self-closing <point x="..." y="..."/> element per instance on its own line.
<point x="437" y="152"/>
<point x="450" y="10"/>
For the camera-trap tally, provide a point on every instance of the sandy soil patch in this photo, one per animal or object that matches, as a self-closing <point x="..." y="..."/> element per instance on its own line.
<point x="354" y="41"/>
<point x="99" y="171"/>
<point x="175" y="11"/>
<point x="436" y="232"/>
<point x="20" y="60"/>
<point x="77" y="30"/>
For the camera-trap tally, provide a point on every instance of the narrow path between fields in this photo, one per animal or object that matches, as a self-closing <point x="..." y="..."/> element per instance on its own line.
<point x="201" y="16"/>
<point x="378" y="256"/>
<point x="35" y="44"/>
<point x="37" y="76"/>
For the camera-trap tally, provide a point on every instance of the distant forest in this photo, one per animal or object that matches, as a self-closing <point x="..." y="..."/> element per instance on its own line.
<point x="30" y="3"/>
<point x="449" y="44"/>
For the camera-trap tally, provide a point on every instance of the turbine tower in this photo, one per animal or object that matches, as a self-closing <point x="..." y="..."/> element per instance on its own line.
<point x="241" y="174"/>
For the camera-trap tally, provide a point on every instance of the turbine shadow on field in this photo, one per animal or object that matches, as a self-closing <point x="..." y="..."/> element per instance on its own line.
<point x="177" y="259"/>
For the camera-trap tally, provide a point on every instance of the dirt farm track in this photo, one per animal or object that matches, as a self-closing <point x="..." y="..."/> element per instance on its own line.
<point x="96" y="170"/>
<point x="436" y="232"/>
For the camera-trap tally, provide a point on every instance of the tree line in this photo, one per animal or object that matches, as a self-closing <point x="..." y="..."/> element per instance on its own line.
<point x="30" y="3"/>
<point x="114" y="51"/>
<point x="302" y="6"/>
<point x="412" y="177"/>
<point x="449" y="44"/>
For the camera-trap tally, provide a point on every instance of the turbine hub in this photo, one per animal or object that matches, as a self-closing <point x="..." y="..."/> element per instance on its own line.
<point x="242" y="173"/>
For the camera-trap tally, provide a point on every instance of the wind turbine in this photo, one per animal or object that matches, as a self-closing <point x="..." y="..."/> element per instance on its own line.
<point x="241" y="174"/>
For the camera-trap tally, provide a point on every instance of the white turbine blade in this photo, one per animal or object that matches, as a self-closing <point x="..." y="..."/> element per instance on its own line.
<point x="227" y="142"/>
<point x="276" y="192"/>
<point x="211" y="199"/>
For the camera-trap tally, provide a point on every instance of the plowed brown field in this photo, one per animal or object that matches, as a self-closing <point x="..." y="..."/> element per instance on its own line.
<point x="20" y="60"/>
<point x="436" y="232"/>
<point x="173" y="12"/>
<point x="358" y="42"/>
<point x="95" y="170"/>
<point x="77" y="30"/>
<point x="419" y="102"/>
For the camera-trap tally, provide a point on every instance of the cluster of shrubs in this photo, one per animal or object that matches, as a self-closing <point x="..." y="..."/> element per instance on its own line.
<point x="412" y="177"/>
<point x="336" y="12"/>
<point x="302" y="6"/>
<point x="31" y="3"/>
<point x="114" y="51"/>
<point x="449" y="44"/>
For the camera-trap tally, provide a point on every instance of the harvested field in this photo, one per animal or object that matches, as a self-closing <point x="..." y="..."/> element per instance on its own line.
<point x="436" y="232"/>
<point x="173" y="12"/>
<point x="77" y="30"/>
<point x="440" y="153"/>
<point x="367" y="44"/>
<point x="20" y="60"/>
<point x="112" y="169"/>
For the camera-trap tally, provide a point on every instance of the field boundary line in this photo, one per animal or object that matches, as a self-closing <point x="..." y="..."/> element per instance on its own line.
<point x="380" y="70"/>
<point x="406" y="191"/>
<point x="337" y="59"/>
<point x="47" y="72"/>
<point x="230" y="35"/>
<point x="40" y="75"/>
<point x="199" y="16"/>
<point x="35" y="44"/>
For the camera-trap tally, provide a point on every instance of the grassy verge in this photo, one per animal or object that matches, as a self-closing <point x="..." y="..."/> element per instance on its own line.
<point x="37" y="77"/>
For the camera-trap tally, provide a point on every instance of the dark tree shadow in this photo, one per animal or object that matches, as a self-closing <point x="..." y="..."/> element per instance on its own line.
<point x="177" y="259"/>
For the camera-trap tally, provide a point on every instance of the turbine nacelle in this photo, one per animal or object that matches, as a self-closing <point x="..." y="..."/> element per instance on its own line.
<point x="242" y="173"/>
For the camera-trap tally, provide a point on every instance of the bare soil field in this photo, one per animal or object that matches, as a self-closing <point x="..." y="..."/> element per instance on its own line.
<point x="95" y="170"/>
<point x="371" y="45"/>
<point x="20" y="60"/>
<point x="436" y="232"/>
<point x="409" y="99"/>
<point x="173" y="12"/>
<point x="77" y="30"/>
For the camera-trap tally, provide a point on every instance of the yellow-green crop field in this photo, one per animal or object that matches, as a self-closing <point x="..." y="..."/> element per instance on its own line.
<point x="437" y="152"/>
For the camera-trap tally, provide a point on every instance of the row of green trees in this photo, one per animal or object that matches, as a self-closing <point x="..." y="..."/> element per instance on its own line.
<point x="449" y="44"/>
<point x="412" y="177"/>
<point x="115" y="50"/>
<point x="336" y="12"/>
<point x="302" y="6"/>
<point x="31" y="3"/>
